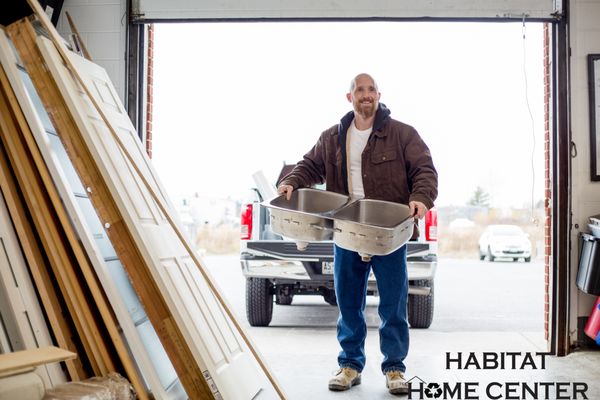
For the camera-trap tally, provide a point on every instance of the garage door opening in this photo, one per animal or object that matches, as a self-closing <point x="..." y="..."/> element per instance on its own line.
<point x="250" y="97"/>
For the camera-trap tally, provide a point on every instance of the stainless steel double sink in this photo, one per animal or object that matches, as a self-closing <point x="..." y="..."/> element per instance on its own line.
<point x="369" y="227"/>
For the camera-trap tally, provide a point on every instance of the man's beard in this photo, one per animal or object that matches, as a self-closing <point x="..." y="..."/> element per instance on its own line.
<point x="366" y="110"/>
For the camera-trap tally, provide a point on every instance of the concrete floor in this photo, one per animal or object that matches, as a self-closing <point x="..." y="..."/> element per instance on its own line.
<point x="303" y="359"/>
<point x="300" y="346"/>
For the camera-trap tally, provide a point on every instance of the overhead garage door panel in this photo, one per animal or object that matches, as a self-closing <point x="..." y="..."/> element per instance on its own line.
<point x="156" y="10"/>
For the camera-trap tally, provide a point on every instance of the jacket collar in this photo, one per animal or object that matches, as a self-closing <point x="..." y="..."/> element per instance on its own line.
<point x="381" y="117"/>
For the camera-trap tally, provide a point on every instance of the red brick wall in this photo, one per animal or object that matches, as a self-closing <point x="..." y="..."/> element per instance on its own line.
<point x="547" y="182"/>
<point x="149" y="86"/>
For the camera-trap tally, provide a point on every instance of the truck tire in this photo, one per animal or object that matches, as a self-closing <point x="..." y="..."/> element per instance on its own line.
<point x="420" y="308"/>
<point x="259" y="301"/>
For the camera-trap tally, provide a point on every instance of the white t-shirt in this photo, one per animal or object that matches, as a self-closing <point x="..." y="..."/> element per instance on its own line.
<point x="357" y="140"/>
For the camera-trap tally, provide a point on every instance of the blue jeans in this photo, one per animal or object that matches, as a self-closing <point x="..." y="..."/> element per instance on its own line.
<point x="351" y="275"/>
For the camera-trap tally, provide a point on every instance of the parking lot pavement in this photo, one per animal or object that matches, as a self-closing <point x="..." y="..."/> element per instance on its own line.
<point x="470" y="295"/>
<point x="479" y="306"/>
<point x="502" y="296"/>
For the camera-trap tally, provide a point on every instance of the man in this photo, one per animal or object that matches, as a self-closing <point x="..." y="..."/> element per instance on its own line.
<point x="370" y="155"/>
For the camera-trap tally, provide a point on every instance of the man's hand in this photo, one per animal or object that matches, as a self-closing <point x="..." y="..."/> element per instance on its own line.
<point x="417" y="209"/>
<point x="285" y="189"/>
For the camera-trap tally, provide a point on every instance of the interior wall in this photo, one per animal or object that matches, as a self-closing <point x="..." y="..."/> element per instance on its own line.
<point x="585" y="39"/>
<point x="102" y="25"/>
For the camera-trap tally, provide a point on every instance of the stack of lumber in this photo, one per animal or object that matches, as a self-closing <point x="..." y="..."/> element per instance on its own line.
<point x="93" y="241"/>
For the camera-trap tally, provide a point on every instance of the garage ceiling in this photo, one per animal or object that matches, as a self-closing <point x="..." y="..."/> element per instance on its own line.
<point x="160" y="10"/>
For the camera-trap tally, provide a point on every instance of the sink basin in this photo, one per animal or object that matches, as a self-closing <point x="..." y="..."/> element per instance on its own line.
<point x="372" y="227"/>
<point x="369" y="227"/>
<point x="307" y="215"/>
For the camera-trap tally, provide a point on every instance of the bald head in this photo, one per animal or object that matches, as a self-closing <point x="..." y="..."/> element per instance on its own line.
<point x="359" y="76"/>
<point x="364" y="96"/>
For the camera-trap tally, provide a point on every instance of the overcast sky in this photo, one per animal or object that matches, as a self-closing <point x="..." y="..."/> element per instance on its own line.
<point x="231" y="99"/>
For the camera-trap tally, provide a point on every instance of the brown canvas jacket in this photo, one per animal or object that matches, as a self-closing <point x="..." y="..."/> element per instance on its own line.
<point x="396" y="163"/>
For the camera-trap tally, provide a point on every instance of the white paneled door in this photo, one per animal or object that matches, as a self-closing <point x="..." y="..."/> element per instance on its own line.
<point x="217" y="347"/>
<point x="151" y="359"/>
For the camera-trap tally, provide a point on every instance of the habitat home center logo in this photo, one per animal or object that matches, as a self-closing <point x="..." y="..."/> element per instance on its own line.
<point x="506" y="390"/>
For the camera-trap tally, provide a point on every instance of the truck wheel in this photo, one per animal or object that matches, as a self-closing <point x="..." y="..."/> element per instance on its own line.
<point x="259" y="301"/>
<point x="420" y="308"/>
<point x="330" y="298"/>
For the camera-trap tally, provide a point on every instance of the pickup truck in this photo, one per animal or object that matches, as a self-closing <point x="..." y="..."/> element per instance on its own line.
<point x="276" y="270"/>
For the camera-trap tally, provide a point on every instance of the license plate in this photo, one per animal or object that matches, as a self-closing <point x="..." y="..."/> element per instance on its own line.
<point x="327" y="268"/>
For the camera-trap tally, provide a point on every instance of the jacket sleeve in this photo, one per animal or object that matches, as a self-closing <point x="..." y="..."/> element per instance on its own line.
<point x="421" y="173"/>
<point x="311" y="169"/>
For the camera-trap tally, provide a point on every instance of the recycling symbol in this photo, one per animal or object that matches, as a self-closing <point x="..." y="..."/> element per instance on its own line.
<point x="433" y="390"/>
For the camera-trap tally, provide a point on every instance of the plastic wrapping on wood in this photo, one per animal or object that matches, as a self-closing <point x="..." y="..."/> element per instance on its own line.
<point x="111" y="387"/>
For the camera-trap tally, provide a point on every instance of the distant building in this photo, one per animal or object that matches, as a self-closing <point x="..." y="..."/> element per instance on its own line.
<point x="198" y="211"/>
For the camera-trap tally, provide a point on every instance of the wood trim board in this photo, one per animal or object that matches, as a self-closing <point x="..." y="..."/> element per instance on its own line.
<point x="61" y="326"/>
<point x="150" y="183"/>
<point x="27" y="317"/>
<point x="25" y="359"/>
<point x="24" y="36"/>
<point x="31" y="177"/>
<point x="89" y="229"/>
<point x="99" y="300"/>
<point x="225" y="363"/>
<point x="192" y="297"/>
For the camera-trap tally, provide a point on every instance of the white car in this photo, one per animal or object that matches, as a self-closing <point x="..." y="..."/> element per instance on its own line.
<point x="504" y="241"/>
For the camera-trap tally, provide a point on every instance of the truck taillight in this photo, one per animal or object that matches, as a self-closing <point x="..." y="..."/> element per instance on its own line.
<point x="431" y="226"/>
<point x="246" y="222"/>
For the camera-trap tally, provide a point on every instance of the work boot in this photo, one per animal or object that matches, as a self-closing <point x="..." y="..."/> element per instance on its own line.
<point x="396" y="383"/>
<point x="344" y="379"/>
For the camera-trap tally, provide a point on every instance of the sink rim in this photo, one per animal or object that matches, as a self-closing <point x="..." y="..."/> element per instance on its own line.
<point x="356" y="203"/>
<point x="323" y="214"/>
